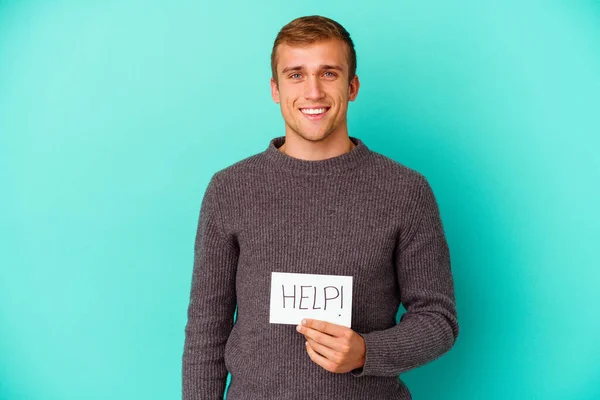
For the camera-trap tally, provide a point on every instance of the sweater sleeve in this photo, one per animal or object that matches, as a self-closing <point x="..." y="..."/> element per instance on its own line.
<point x="429" y="326"/>
<point x="212" y="303"/>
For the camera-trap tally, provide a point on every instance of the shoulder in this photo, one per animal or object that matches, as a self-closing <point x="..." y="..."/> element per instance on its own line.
<point x="413" y="196"/>
<point x="240" y="171"/>
<point x="405" y="187"/>
<point x="395" y="172"/>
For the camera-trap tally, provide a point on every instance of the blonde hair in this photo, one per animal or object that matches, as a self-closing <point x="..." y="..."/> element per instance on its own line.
<point x="311" y="29"/>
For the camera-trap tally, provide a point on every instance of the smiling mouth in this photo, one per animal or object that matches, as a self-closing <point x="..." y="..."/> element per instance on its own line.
<point x="314" y="113"/>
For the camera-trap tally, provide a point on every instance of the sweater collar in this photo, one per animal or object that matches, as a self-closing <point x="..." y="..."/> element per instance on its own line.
<point x="339" y="163"/>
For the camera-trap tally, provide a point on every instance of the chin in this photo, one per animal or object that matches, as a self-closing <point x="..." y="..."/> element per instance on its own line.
<point x="316" y="137"/>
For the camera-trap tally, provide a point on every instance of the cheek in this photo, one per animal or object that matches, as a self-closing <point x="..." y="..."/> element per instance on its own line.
<point x="289" y="105"/>
<point x="341" y="111"/>
<point x="287" y="109"/>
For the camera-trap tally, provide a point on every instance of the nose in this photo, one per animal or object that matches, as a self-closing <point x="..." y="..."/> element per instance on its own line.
<point x="312" y="88"/>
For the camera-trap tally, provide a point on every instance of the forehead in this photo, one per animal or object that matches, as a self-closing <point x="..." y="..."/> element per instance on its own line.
<point x="311" y="56"/>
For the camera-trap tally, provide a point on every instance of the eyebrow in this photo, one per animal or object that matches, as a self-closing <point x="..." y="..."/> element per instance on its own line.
<point x="321" y="67"/>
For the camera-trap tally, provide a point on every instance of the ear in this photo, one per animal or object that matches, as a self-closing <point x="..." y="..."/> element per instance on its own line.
<point x="353" y="88"/>
<point x="274" y="91"/>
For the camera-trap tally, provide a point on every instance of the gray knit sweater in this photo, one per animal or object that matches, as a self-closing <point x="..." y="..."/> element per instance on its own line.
<point x="358" y="214"/>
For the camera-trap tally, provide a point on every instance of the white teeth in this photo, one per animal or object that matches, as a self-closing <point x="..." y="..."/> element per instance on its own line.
<point x="313" y="110"/>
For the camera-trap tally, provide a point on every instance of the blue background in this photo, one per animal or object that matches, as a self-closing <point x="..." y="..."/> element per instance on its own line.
<point x="114" y="115"/>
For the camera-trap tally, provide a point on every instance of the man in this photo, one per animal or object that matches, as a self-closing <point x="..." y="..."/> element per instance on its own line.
<point x="316" y="201"/>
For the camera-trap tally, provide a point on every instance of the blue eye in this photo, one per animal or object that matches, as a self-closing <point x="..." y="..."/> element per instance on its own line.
<point x="330" y="73"/>
<point x="294" y="75"/>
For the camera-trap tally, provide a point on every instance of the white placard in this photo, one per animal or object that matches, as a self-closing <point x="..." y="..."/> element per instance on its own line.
<point x="323" y="297"/>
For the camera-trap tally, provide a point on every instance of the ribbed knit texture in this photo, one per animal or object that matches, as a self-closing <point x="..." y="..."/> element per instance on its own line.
<point x="360" y="214"/>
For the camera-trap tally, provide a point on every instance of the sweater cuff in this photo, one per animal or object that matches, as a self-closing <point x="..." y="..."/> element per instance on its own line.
<point x="364" y="370"/>
<point x="379" y="355"/>
<point x="399" y="349"/>
<point x="196" y="385"/>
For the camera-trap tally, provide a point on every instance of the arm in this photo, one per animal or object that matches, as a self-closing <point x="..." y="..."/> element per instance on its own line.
<point x="429" y="327"/>
<point x="212" y="303"/>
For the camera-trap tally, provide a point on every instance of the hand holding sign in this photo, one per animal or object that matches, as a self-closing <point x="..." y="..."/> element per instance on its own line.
<point x="336" y="348"/>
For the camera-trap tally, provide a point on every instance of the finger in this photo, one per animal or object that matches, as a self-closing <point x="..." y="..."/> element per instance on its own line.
<point x="319" y="359"/>
<point x="326" y="327"/>
<point x="321" y="338"/>
<point x="325" y="351"/>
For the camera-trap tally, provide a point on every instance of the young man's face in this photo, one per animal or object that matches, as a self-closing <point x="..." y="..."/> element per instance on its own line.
<point x="313" y="89"/>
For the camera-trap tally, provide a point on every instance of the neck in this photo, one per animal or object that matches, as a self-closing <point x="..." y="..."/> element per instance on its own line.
<point x="349" y="156"/>
<point x="302" y="149"/>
